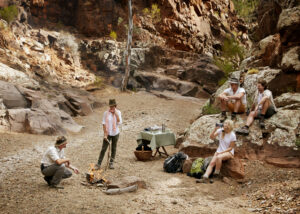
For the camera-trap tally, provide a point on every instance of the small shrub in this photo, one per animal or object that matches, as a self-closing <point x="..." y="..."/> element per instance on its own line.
<point x="68" y="41"/>
<point x="146" y="11"/>
<point x="9" y="13"/>
<point x="155" y="13"/>
<point x="210" y="109"/>
<point x="231" y="49"/>
<point x="120" y="20"/>
<point x="3" y="25"/>
<point x="225" y="65"/>
<point x="222" y="81"/>
<point x="297" y="142"/>
<point x="98" y="82"/>
<point x="113" y="35"/>
<point x="60" y="25"/>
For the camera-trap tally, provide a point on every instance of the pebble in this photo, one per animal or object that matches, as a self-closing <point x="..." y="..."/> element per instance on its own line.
<point x="174" y="202"/>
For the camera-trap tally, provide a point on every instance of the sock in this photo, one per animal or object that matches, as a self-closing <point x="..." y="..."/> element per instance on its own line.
<point x="205" y="176"/>
<point x="247" y="126"/>
<point x="217" y="172"/>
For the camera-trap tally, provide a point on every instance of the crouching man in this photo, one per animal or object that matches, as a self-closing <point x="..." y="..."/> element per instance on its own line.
<point x="262" y="108"/>
<point x="233" y="99"/>
<point x="54" y="164"/>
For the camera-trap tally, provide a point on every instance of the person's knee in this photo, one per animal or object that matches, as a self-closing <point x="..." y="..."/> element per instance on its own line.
<point x="61" y="167"/>
<point x="68" y="173"/>
<point x="218" y="159"/>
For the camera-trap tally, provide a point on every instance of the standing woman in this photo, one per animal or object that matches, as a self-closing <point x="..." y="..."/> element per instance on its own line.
<point x="111" y="121"/>
<point x="225" y="150"/>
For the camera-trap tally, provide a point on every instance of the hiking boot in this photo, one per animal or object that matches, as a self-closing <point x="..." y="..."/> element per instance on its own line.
<point x="203" y="180"/>
<point x="111" y="165"/>
<point x="48" y="179"/>
<point x="243" y="131"/>
<point x="218" y="176"/>
<point x="223" y="117"/>
<point x="233" y="117"/>
<point x="97" y="167"/>
<point x="56" y="186"/>
<point x="262" y="122"/>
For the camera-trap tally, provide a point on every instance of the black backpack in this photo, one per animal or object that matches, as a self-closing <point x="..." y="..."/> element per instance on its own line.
<point x="174" y="163"/>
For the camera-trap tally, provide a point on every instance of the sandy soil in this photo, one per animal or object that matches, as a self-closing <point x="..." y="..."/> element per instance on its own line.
<point x="23" y="190"/>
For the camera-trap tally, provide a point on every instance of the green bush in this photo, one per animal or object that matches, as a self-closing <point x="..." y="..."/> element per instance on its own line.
<point x="210" y="109"/>
<point x="98" y="82"/>
<point x="9" y="13"/>
<point x="231" y="49"/>
<point x="222" y="81"/>
<point x="297" y="142"/>
<point x="231" y="54"/>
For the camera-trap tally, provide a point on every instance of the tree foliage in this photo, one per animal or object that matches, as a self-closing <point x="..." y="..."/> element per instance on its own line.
<point x="245" y="8"/>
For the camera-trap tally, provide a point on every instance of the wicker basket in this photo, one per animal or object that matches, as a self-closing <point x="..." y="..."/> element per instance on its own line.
<point x="143" y="155"/>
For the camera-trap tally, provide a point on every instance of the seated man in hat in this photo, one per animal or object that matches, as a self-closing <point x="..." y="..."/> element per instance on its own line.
<point x="233" y="99"/>
<point x="111" y="121"/>
<point x="54" y="164"/>
<point x="263" y="107"/>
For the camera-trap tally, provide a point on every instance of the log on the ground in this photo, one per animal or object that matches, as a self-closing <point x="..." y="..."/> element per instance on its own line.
<point x="121" y="190"/>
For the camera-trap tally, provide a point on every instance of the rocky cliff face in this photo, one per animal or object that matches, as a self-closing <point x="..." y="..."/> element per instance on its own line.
<point x="194" y="25"/>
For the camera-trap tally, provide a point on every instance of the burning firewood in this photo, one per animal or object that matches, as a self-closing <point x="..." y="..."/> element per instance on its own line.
<point x="95" y="176"/>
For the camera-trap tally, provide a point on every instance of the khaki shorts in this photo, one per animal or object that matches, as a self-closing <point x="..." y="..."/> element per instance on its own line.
<point x="242" y="108"/>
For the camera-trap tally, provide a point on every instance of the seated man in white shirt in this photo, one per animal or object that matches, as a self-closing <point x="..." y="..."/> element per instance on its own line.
<point x="263" y="107"/>
<point x="54" y="163"/>
<point x="233" y="99"/>
<point x="112" y="119"/>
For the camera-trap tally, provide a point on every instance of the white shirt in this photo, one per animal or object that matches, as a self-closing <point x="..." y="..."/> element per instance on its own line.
<point x="266" y="93"/>
<point x="224" y="143"/>
<point x="230" y="92"/>
<point x="259" y="97"/>
<point x="51" y="155"/>
<point x="111" y="131"/>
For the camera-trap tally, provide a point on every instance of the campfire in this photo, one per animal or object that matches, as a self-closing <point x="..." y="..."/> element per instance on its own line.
<point x="95" y="176"/>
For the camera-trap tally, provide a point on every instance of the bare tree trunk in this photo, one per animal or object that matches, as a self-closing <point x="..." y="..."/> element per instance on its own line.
<point x="128" y="48"/>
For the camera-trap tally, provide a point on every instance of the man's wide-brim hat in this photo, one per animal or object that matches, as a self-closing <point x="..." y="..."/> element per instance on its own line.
<point x="60" y="141"/>
<point x="112" y="102"/>
<point x="233" y="81"/>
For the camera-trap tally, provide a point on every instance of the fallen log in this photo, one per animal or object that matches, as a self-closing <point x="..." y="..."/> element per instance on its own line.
<point x="116" y="191"/>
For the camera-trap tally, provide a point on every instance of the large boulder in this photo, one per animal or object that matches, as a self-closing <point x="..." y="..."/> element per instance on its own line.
<point x="161" y="82"/>
<point x="288" y="99"/>
<point x="291" y="60"/>
<point x="13" y="120"/>
<point x="289" y="26"/>
<point x="14" y="76"/>
<point x="11" y="96"/>
<point x="269" y="50"/>
<point x="233" y="168"/>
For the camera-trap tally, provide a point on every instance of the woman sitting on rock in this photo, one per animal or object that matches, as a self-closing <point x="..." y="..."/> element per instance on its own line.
<point x="225" y="150"/>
